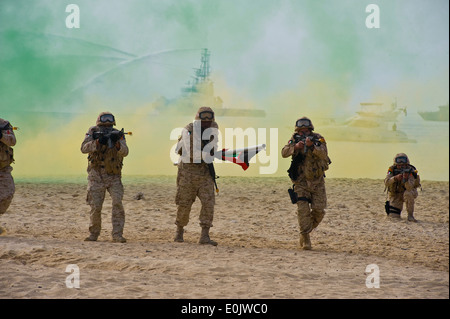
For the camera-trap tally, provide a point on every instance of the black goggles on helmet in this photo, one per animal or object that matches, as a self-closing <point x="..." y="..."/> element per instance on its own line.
<point x="107" y="118"/>
<point x="303" y="123"/>
<point x="401" y="160"/>
<point x="206" y="115"/>
<point x="6" y="126"/>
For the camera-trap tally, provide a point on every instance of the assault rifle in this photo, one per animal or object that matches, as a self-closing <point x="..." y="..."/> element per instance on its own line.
<point x="402" y="170"/>
<point x="298" y="159"/>
<point x="109" y="137"/>
<point x="8" y="126"/>
<point x="302" y="138"/>
<point x="212" y="170"/>
<point x="408" y="170"/>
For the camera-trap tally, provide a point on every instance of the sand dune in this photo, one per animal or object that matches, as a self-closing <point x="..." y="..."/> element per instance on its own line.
<point x="257" y="256"/>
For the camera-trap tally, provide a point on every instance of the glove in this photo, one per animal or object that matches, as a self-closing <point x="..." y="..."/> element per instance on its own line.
<point x="96" y="135"/>
<point x="115" y="137"/>
<point x="103" y="140"/>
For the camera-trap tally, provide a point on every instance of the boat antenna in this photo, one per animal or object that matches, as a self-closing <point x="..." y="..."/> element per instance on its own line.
<point x="203" y="72"/>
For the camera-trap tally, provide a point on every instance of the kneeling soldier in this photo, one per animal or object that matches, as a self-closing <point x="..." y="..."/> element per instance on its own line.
<point x="401" y="182"/>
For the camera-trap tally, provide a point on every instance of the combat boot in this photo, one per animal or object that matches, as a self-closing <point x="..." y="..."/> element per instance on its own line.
<point x="91" y="237"/>
<point x="204" y="238"/>
<point x="179" y="234"/>
<point x="305" y="242"/>
<point x="411" y="218"/>
<point x="119" y="239"/>
<point x="394" y="215"/>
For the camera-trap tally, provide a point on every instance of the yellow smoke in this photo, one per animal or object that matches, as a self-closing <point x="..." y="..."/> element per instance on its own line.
<point x="55" y="150"/>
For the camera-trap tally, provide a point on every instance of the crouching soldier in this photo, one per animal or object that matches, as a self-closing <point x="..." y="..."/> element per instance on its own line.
<point x="401" y="182"/>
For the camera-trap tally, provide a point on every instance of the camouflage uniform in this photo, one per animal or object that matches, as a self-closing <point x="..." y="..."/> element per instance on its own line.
<point x="401" y="191"/>
<point x="104" y="173"/>
<point x="194" y="178"/>
<point x="7" y="188"/>
<point x="310" y="184"/>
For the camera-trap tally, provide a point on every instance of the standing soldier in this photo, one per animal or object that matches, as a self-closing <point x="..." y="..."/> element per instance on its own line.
<point x="7" y="188"/>
<point x="195" y="173"/>
<point x="309" y="162"/>
<point x="106" y="147"/>
<point x="402" y="182"/>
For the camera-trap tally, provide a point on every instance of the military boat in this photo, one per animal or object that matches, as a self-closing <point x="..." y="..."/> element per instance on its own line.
<point x="199" y="91"/>
<point x="373" y="122"/>
<point x="439" y="116"/>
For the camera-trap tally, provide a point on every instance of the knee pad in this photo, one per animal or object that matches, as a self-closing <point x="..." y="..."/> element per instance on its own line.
<point x="391" y="209"/>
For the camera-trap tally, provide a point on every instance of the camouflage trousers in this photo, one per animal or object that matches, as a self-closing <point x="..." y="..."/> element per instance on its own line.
<point x="311" y="205"/>
<point x="408" y="197"/>
<point x="7" y="189"/>
<point x="98" y="183"/>
<point x="194" y="180"/>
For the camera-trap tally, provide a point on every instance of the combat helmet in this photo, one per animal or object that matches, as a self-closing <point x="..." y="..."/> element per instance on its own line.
<point x="4" y="124"/>
<point x="401" y="158"/>
<point x="106" y="119"/>
<point x="304" y="122"/>
<point x="205" y="113"/>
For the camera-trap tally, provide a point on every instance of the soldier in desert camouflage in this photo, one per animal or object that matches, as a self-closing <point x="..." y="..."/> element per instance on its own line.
<point x="106" y="152"/>
<point x="196" y="146"/>
<point x="7" y="188"/>
<point x="310" y="161"/>
<point x="402" y="182"/>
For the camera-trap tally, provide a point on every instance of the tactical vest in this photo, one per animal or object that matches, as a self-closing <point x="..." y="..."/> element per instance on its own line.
<point x="314" y="167"/>
<point x="398" y="186"/>
<point x="107" y="158"/>
<point x="6" y="155"/>
<point x="190" y="129"/>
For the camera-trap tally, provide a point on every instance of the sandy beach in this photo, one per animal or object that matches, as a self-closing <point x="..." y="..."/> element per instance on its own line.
<point x="258" y="254"/>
